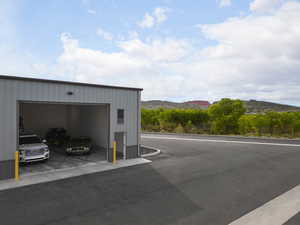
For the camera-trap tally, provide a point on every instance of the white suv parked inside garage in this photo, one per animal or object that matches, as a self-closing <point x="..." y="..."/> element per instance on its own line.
<point x="32" y="148"/>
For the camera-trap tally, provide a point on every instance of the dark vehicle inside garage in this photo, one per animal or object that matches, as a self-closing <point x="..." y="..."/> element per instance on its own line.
<point x="78" y="146"/>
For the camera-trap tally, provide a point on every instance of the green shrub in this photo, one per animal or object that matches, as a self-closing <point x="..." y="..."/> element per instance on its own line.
<point x="179" y="129"/>
<point x="225" y="115"/>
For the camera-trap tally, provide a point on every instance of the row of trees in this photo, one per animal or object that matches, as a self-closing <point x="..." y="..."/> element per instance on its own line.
<point x="271" y="123"/>
<point x="225" y="117"/>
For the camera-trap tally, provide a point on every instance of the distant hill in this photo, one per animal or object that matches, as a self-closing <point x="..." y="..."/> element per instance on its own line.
<point x="252" y="106"/>
<point x="169" y="105"/>
<point x="201" y="103"/>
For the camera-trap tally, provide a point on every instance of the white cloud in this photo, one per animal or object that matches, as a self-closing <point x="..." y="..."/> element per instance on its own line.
<point x="147" y="22"/>
<point x="138" y="63"/>
<point x="256" y="56"/>
<point x="224" y="3"/>
<point x="158" y="16"/>
<point x="91" y="11"/>
<point x="132" y="35"/>
<point x="104" y="34"/>
<point x="265" y="5"/>
<point x="167" y="50"/>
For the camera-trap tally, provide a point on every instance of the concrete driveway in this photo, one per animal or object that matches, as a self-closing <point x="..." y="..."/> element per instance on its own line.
<point x="59" y="160"/>
<point x="203" y="181"/>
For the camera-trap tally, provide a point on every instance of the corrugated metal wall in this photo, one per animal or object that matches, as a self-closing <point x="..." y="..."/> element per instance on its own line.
<point x="12" y="91"/>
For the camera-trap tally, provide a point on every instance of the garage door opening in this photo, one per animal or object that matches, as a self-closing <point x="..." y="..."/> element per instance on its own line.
<point x="87" y="124"/>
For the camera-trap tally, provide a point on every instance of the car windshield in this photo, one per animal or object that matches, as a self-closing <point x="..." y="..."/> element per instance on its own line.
<point x="29" y="140"/>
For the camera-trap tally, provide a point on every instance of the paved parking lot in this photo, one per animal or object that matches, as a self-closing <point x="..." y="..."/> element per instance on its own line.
<point x="59" y="160"/>
<point x="294" y="221"/>
<point x="192" y="182"/>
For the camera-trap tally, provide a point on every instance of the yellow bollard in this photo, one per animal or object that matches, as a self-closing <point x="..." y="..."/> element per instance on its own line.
<point x="115" y="152"/>
<point x="17" y="166"/>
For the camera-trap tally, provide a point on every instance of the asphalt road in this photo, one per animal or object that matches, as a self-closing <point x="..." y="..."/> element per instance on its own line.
<point x="191" y="182"/>
<point x="294" y="221"/>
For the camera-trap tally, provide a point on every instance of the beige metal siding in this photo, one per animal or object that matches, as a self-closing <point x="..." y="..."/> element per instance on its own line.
<point x="7" y="120"/>
<point x="12" y="91"/>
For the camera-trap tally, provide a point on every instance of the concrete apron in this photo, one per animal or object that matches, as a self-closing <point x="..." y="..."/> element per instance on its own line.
<point x="48" y="176"/>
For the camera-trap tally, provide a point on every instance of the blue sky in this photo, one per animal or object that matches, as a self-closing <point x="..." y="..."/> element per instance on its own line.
<point x="176" y="50"/>
<point x="41" y="22"/>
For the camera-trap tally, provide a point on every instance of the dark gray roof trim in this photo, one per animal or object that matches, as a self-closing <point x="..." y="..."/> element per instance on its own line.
<point x="7" y="77"/>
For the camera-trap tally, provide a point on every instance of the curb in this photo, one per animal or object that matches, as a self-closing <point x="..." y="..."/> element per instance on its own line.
<point x="229" y="136"/>
<point x="157" y="151"/>
<point x="60" y="174"/>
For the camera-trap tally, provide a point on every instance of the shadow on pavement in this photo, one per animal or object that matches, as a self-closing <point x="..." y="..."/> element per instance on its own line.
<point x="137" y="195"/>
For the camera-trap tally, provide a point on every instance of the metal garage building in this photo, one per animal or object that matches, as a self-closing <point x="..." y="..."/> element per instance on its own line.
<point x="105" y="113"/>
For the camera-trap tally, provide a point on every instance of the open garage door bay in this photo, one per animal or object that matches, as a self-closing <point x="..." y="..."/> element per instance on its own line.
<point x="78" y="120"/>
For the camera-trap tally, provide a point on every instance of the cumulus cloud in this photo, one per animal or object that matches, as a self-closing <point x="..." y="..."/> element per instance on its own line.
<point x="224" y="3"/>
<point x="138" y="63"/>
<point x="104" y="34"/>
<point x="167" y="50"/>
<point x="91" y="11"/>
<point x="265" y="5"/>
<point x="158" y="16"/>
<point x="147" y="22"/>
<point x="256" y="56"/>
